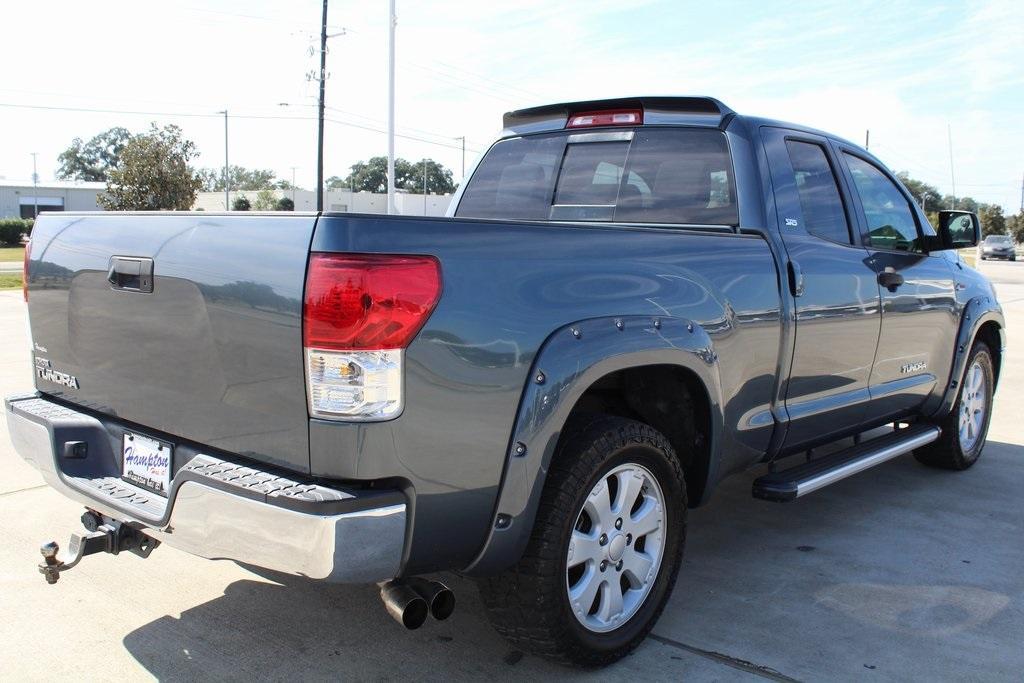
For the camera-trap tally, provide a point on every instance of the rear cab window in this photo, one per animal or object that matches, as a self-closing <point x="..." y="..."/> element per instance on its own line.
<point x="651" y="175"/>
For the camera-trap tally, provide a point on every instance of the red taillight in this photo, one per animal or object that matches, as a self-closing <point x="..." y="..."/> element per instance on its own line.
<point x="368" y="301"/>
<point x="24" y="270"/>
<point x="615" y="117"/>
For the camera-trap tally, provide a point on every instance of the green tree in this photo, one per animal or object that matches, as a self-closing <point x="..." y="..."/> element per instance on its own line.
<point x="927" y="196"/>
<point x="95" y="159"/>
<point x="1015" y="227"/>
<point x="960" y="203"/>
<point x="154" y="173"/>
<point x="266" y="200"/>
<point x="241" y="203"/>
<point x="439" y="178"/>
<point x="241" y="178"/>
<point x="372" y="176"/>
<point x="992" y="220"/>
<point x="285" y="204"/>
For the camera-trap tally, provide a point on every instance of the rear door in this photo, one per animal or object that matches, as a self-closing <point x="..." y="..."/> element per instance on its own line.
<point x="834" y="290"/>
<point x="209" y="349"/>
<point x="919" y="320"/>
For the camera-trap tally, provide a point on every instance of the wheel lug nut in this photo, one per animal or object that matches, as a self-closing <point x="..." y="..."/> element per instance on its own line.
<point x="629" y="539"/>
<point x="618" y="567"/>
<point x="604" y="565"/>
<point x="618" y="523"/>
<point x="603" y="540"/>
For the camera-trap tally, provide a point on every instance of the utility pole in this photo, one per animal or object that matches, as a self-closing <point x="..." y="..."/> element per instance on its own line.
<point x="1022" y="194"/>
<point x="424" y="186"/>
<point x="867" y="139"/>
<point x="392" y="20"/>
<point x="293" y="186"/>
<point x="227" y="173"/>
<point x="463" y="138"/>
<point x="952" y="175"/>
<point x="35" y="190"/>
<point x="320" y="116"/>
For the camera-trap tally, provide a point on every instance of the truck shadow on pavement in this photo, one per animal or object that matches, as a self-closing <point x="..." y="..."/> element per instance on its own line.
<point x="902" y="568"/>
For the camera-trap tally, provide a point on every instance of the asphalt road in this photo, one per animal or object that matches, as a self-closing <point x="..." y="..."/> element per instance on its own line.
<point x="899" y="573"/>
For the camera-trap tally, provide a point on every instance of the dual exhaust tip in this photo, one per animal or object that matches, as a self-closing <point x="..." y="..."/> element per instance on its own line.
<point x="409" y="601"/>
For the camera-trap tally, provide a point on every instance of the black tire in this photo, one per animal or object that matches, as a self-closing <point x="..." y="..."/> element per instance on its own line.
<point x="529" y="604"/>
<point x="947" y="451"/>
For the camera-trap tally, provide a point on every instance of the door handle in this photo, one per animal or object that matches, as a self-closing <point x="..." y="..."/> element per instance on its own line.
<point x="890" y="279"/>
<point x="131" y="273"/>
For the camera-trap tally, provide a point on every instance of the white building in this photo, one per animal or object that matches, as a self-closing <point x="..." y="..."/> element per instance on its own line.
<point x="338" y="200"/>
<point x="18" y="199"/>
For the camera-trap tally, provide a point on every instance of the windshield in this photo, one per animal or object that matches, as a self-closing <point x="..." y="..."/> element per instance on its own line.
<point x="997" y="239"/>
<point x="645" y="175"/>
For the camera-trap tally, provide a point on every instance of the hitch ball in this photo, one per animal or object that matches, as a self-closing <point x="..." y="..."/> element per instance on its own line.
<point x="50" y="567"/>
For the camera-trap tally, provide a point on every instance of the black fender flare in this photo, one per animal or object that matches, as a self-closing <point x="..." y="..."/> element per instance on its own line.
<point x="978" y="311"/>
<point x="568" y="363"/>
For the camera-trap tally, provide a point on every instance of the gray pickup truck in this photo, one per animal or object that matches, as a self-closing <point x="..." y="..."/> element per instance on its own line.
<point x="631" y="300"/>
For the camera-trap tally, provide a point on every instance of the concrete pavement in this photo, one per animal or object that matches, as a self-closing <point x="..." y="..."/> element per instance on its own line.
<point x="901" y="572"/>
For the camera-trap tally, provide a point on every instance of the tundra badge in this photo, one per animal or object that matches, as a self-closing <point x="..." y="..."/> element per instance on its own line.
<point x="44" y="370"/>
<point x="913" y="367"/>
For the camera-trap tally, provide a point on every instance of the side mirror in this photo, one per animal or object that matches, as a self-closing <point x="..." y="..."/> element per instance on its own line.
<point x="958" y="229"/>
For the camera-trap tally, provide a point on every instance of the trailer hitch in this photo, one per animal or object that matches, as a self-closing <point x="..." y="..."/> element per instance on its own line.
<point x="105" y="536"/>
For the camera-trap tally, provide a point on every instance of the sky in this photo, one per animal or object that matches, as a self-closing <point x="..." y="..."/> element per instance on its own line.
<point x="913" y="73"/>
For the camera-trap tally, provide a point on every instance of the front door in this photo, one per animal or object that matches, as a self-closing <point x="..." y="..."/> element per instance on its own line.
<point x="834" y="289"/>
<point x="919" y="320"/>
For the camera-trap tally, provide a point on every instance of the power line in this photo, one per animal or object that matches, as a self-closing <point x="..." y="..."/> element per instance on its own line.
<point x="235" y="116"/>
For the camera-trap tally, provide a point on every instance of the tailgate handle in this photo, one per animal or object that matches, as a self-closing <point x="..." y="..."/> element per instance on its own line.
<point x="131" y="273"/>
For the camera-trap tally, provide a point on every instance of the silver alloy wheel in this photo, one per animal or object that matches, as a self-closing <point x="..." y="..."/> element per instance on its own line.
<point x="615" y="551"/>
<point x="972" y="407"/>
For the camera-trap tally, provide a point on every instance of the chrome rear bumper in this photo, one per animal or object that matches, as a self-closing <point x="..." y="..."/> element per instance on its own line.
<point x="216" y="508"/>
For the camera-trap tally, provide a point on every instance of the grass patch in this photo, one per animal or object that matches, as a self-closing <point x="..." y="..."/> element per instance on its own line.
<point x="10" y="280"/>
<point x="970" y="257"/>
<point x="12" y="253"/>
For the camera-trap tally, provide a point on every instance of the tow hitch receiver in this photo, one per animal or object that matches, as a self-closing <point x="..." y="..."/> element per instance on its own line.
<point x="105" y="536"/>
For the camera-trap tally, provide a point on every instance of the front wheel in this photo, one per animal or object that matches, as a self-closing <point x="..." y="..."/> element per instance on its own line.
<point x="965" y="429"/>
<point x="605" y="548"/>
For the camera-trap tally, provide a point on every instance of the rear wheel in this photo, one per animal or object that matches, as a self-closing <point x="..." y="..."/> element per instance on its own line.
<point x="605" y="548"/>
<point x="965" y="429"/>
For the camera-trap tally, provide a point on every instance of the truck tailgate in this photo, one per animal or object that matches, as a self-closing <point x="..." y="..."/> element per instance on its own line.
<point x="213" y="354"/>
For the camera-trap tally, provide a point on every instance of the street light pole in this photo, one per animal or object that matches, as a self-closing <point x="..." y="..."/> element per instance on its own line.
<point x="424" y="186"/>
<point x="227" y="173"/>
<point x="320" y="117"/>
<point x="463" y="138"/>
<point x="35" y="190"/>
<point x="293" y="187"/>
<point x="952" y="174"/>
<point x="392" y="20"/>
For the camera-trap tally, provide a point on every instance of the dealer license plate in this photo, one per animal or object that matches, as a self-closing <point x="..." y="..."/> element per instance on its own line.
<point x="146" y="462"/>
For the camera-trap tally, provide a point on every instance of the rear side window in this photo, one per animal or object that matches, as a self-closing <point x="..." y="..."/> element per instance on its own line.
<point x="820" y="201"/>
<point x="678" y="176"/>
<point x="662" y="175"/>
<point x="514" y="180"/>
<point x="891" y="223"/>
